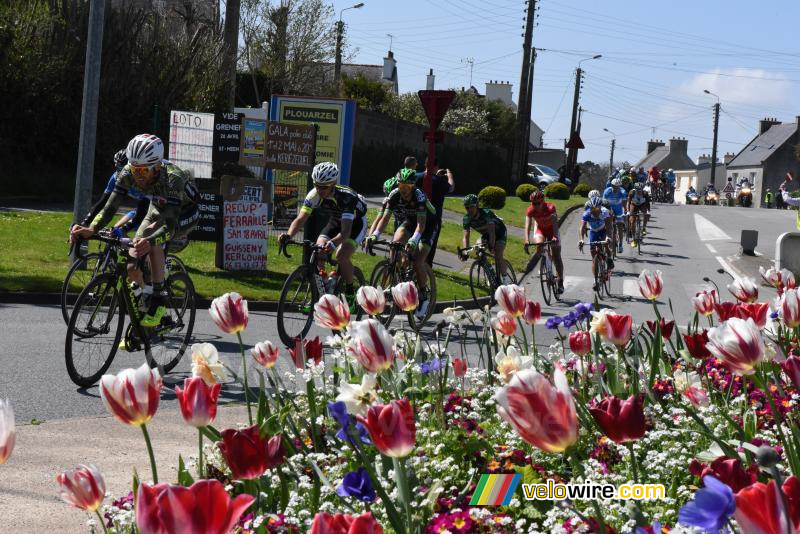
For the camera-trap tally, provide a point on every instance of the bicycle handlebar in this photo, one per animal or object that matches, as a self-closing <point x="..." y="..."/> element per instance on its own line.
<point x="283" y="246"/>
<point x="106" y="237"/>
<point x="543" y="243"/>
<point x="391" y="244"/>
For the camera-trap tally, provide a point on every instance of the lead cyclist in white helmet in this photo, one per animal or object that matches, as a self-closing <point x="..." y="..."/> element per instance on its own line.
<point x="172" y="212"/>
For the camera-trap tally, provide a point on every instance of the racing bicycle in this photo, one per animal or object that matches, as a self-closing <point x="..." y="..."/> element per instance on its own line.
<point x="547" y="275"/>
<point x="483" y="278"/>
<point x="602" y="280"/>
<point x="636" y="231"/>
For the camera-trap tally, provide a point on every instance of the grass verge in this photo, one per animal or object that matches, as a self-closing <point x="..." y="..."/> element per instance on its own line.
<point x="513" y="213"/>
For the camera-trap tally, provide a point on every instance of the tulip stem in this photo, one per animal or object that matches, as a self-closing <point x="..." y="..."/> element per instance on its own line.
<point x="634" y="465"/>
<point x="405" y="491"/>
<point x="524" y="335"/>
<point x="150" y="453"/>
<point x="246" y="386"/>
<point x="200" y="452"/>
<point x="102" y="521"/>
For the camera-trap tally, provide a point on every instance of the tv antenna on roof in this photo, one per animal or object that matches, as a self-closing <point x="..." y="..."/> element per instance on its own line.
<point x="390" y="36"/>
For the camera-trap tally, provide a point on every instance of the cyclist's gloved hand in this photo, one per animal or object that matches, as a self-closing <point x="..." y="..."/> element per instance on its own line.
<point x="329" y="246"/>
<point x="283" y="238"/>
<point x="463" y="255"/>
<point x="117" y="233"/>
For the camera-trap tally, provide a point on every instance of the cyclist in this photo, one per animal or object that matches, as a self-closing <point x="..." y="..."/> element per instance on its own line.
<point x="616" y="196"/>
<point x="597" y="221"/>
<point x="172" y="213"/>
<point x="594" y="193"/>
<point x="347" y="222"/>
<point x="670" y="178"/>
<point x="492" y="229"/>
<point x="638" y="202"/>
<point x="416" y="226"/>
<point x="545" y="218"/>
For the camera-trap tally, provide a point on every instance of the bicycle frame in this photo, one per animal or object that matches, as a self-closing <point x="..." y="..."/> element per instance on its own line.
<point x="483" y="256"/>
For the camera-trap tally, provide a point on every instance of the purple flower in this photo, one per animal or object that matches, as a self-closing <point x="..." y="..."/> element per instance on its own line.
<point x="711" y="507"/>
<point x="357" y="484"/>
<point x="338" y="411"/>
<point x="570" y="319"/>
<point x="553" y="322"/>
<point x="583" y="309"/>
<point x="773" y="315"/>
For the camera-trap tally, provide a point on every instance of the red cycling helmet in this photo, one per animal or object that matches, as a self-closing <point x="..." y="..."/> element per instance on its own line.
<point x="537" y="196"/>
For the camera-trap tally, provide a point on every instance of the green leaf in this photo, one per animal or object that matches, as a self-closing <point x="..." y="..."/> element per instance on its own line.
<point x="211" y="433"/>
<point x="184" y="478"/>
<point x="263" y="403"/>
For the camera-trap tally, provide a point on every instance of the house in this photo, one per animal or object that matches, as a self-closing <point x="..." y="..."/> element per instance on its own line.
<point x="660" y="155"/>
<point x="497" y="90"/>
<point x="699" y="176"/>
<point x="386" y="73"/>
<point x="766" y="159"/>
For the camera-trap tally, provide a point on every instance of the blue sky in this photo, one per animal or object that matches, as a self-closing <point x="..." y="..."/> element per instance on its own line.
<point x="657" y="59"/>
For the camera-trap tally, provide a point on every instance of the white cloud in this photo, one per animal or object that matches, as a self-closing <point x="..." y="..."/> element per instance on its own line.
<point x="741" y="86"/>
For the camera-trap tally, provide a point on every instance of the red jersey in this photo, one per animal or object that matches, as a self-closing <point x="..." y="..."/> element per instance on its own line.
<point x="543" y="216"/>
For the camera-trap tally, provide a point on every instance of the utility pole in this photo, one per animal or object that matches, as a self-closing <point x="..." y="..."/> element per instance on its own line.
<point x="526" y="117"/>
<point x="611" y="160"/>
<point x="91" y="90"/>
<point x="337" y="66"/>
<point x="574" y="122"/>
<point x="520" y="152"/>
<point x="231" y="37"/>
<point x="471" y="62"/>
<point x="714" y="146"/>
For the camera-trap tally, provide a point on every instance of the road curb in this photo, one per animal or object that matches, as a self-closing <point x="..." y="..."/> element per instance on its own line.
<point x="532" y="265"/>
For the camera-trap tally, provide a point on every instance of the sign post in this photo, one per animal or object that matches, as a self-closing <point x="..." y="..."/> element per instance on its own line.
<point x="435" y="104"/>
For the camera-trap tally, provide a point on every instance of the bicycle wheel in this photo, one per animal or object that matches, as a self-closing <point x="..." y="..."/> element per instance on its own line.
<point x="510" y="272"/>
<point x="296" y="306"/>
<point x="606" y="285"/>
<point x="639" y="235"/>
<point x="544" y="280"/>
<point x="383" y="276"/>
<point x="79" y="274"/>
<point x="358" y="281"/>
<point x="166" y="344"/>
<point x="415" y="322"/>
<point x="175" y="264"/>
<point x="89" y="354"/>
<point x="480" y="284"/>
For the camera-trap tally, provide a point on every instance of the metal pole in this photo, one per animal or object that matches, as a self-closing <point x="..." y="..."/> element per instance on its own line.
<point x="337" y="68"/>
<point x="91" y="90"/>
<point x="611" y="161"/>
<point x="573" y="122"/>
<point x="521" y="145"/>
<point x="714" y="146"/>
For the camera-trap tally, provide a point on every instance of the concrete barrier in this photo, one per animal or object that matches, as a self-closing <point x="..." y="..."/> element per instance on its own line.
<point x="787" y="252"/>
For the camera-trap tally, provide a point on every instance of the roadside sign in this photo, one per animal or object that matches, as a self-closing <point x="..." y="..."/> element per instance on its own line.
<point x="728" y="195"/>
<point x="290" y="146"/>
<point x="191" y="142"/>
<point x="253" y="140"/>
<point x="435" y="104"/>
<point x="244" y="243"/>
<point x="729" y="188"/>
<point x="575" y="141"/>
<point x="227" y="127"/>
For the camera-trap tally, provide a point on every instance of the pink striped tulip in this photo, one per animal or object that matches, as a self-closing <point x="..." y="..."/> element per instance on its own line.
<point x="788" y="279"/>
<point x="391" y="427"/>
<point x="533" y="312"/>
<point x="783" y="279"/>
<point x="132" y="396"/>
<point x="704" y="302"/>
<point x="511" y="298"/>
<point x="737" y="342"/>
<point x="229" y="313"/>
<point x="83" y="487"/>
<point x="612" y="327"/>
<point x="757" y="311"/>
<point x="198" y="401"/>
<point x="371" y="299"/>
<point x="791" y="366"/>
<point x="744" y="289"/>
<point x="372" y="345"/>
<point x="504" y="323"/>
<point x="8" y="432"/>
<point x="790" y="308"/>
<point x="650" y="284"/>
<point x="331" y="313"/>
<point x="265" y="354"/>
<point x="543" y="414"/>
<point x="405" y="296"/>
<point x="580" y="342"/>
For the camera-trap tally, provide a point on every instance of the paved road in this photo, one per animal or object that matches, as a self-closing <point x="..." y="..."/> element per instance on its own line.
<point x="686" y="244"/>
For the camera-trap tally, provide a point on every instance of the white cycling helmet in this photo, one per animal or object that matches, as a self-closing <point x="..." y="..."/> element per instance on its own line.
<point x="594" y="193"/>
<point x="616" y="182"/>
<point x="145" y="149"/>
<point x="325" y="173"/>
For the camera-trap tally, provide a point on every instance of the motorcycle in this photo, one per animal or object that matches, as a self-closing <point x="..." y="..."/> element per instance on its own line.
<point x="745" y="196"/>
<point x="712" y="198"/>
<point x="692" y="198"/>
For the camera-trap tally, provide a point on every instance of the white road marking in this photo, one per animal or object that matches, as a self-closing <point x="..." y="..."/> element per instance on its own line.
<point x="709" y="231"/>
<point x="630" y="288"/>
<point x="728" y="268"/>
<point x="711" y="249"/>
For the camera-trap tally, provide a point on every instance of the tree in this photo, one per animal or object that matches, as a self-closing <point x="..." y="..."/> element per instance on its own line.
<point x="372" y="95"/>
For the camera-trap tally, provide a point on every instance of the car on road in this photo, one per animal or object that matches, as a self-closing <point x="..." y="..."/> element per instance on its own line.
<point x="542" y="175"/>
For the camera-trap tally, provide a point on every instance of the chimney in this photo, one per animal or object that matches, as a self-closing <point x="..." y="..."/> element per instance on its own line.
<point x="797" y="120"/>
<point x="728" y="157"/>
<point x="429" y="83"/>
<point x="705" y="158"/>
<point x="766" y="123"/>
<point x="679" y="145"/>
<point x="496" y="90"/>
<point x="653" y="144"/>
<point x="389" y="65"/>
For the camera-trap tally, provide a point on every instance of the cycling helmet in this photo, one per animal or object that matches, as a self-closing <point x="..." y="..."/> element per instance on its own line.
<point x="596" y="202"/>
<point x="407" y="176"/>
<point x="537" y="196"/>
<point x="616" y="182"/>
<point x="120" y="159"/>
<point x="470" y="200"/>
<point x="639" y="186"/>
<point x="594" y="193"/>
<point x="325" y="173"/>
<point x="145" y="149"/>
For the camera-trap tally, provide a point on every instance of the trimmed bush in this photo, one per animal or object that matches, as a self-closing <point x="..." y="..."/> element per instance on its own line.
<point x="558" y="191"/>
<point x="582" y="189"/>
<point x="524" y="191"/>
<point x="492" y="197"/>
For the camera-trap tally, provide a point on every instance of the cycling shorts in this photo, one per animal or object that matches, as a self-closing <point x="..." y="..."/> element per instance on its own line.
<point x="597" y="236"/>
<point x="357" y="231"/>
<point x="187" y="221"/>
<point x="428" y="234"/>
<point x="500" y="234"/>
<point x="643" y="208"/>
<point x="547" y="236"/>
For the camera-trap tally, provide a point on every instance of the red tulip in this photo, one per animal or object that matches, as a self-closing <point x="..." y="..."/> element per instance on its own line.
<point x="792" y="369"/>
<point x="459" y="367"/>
<point x="305" y="350"/>
<point x="580" y="342"/>
<point x="372" y="345"/>
<point x="198" y="401"/>
<point x="533" y="312"/>
<point x="331" y="313"/>
<point x="543" y="414"/>
<point x="83" y="487"/>
<point x="737" y="342"/>
<point x="790" y="308"/>
<point x="391" y="427"/>
<point x="371" y="299"/>
<point x="229" y="313"/>
<point x="132" y="396"/>
<point x="205" y="507"/>
<point x="325" y="523"/>
<point x="744" y="289"/>
<point x="504" y="323"/>
<point x="8" y="431"/>
<point x="759" y="508"/>
<point x="696" y="345"/>
<point x="511" y="298"/>
<point x="666" y="327"/>
<point x="731" y="472"/>
<point x="265" y="353"/>
<point x="405" y="296"/>
<point x="725" y="310"/>
<point x="650" y="284"/>
<point x="757" y="311"/>
<point x="622" y="421"/>
<point x="705" y="301"/>
<point x="248" y="454"/>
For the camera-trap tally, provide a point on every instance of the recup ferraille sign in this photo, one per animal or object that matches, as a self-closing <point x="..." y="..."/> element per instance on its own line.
<point x="244" y="244"/>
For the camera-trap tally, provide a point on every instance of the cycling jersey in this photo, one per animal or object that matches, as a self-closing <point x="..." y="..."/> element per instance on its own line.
<point x="544" y="218"/>
<point x="344" y="204"/>
<point x="639" y="198"/>
<point x="408" y="211"/>
<point x="481" y="225"/>
<point x="615" y="199"/>
<point x="596" y="224"/>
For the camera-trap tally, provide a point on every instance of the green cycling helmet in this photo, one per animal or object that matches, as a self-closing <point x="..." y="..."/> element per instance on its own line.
<point x="470" y="200"/>
<point x="407" y="176"/>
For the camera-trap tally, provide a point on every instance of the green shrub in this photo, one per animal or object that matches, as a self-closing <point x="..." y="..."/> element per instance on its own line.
<point x="557" y="190"/>
<point x="524" y="191"/>
<point x="582" y="189"/>
<point x="492" y="197"/>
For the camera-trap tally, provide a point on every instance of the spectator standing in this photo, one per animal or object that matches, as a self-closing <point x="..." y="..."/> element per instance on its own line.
<point x="768" y="198"/>
<point x="442" y="184"/>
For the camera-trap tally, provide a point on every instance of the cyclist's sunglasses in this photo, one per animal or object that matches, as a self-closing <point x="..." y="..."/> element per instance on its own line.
<point x="537" y="203"/>
<point x="142" y="171"/>
<point x="324" y="187"/>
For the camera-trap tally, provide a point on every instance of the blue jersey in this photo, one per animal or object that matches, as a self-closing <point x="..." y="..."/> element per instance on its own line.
<point x="616" y="200"/>
<point x="134" y="193"/>
<point x="598" y="223"/>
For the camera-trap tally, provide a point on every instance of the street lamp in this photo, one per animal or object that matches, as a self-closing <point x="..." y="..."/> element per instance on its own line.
<point x="613" y="142"/>
<point x="573" y="154"/>
<point x="716" y="129"/>
<point x="337" y="68"/>
<point x="598" y="56"/>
